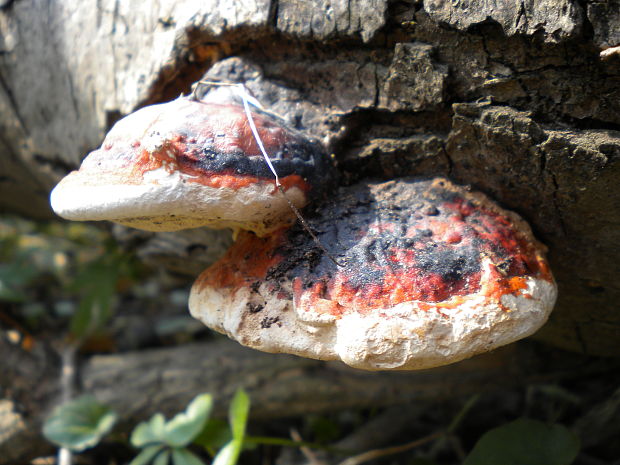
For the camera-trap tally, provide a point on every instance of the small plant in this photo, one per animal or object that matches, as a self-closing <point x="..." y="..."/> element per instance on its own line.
<point x="237" y="418"/>
<point x="162" y="441"/>
<point x="82" y="423"/>
<point x="79" y="424"/>
<point x="74" y="270"/>
<point x="96" y="284"/>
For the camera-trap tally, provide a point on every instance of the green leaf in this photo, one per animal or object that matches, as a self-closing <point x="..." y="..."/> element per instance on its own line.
<point x="163" y="458"/>
<point x="15" y="276"/>
<point x="149" y="432"/>
<point x="525" y="442"/>
<point x="185" y="426"/>
<point x="96" y="283"/>
<point x="324" y="429"/>
<point x="79" y="424"/>
<point x="238" y="418"/>
<point x="228" y="454"/>
<point x="214" y="435"/>
<point x="147" y="454"/>
<point x="179" y="431"/>
<point x="185" y="457"/>
<point x="238" y="414"/>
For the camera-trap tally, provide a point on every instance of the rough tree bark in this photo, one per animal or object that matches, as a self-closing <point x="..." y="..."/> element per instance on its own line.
<point x="513" y="98"/>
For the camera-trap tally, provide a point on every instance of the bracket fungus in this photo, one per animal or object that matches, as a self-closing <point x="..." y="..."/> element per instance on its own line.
<point x="189" y="163"/>
<point x="432" y="274"/>
<point x="405" y="274"/>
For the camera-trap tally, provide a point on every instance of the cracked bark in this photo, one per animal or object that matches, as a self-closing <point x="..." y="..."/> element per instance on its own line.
<point x="525" y="111"/>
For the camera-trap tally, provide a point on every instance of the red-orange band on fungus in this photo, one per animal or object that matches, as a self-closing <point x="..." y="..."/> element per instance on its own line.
<point x="246" y="262"/>
<point x="398" y="256"/>
<point x="145" y="163"/>
<point x="407" y="282"/>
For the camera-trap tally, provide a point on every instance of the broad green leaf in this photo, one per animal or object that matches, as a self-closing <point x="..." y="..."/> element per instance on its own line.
<point x="324" y="429"/>
<point x="525" y="442"/>
<point x="149" y="432"/>
<point x="15" y="276"/>
<point x="214" y="435"/>
<point x="147" y="455"/>
<point x="183" y="456"/>
<point x="79" y="424"/>
<point x="238" y="414"/>
<point x="97" y="285"/>
<point x="8" y="293"/>
<point x="185" y="426"/>
<point x="163" y="458"/>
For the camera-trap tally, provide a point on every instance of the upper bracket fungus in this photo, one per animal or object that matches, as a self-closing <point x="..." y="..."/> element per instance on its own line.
<point x="189" y="163"/>
<point x="406" y="274"/>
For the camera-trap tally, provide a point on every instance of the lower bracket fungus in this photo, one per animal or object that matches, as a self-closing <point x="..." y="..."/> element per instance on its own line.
<point x="431" y="274"/>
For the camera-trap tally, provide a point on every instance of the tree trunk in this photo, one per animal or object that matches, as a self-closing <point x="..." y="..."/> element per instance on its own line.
<point x="520" y="100"/>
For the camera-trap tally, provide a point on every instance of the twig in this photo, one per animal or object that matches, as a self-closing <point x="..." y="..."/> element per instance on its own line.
<point x="246" y="97"/>
<point x="380" y="430"/>
<point x="460" y="416"/>
<point x="457" y="447"/>
<point x="248" y="113"/>
<point x="312" y="459"/>
<point x="377" y="453"/>
<point x="448" y="438"/>
<point x="67" y="380"/>
<point x="283" y="442"/>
